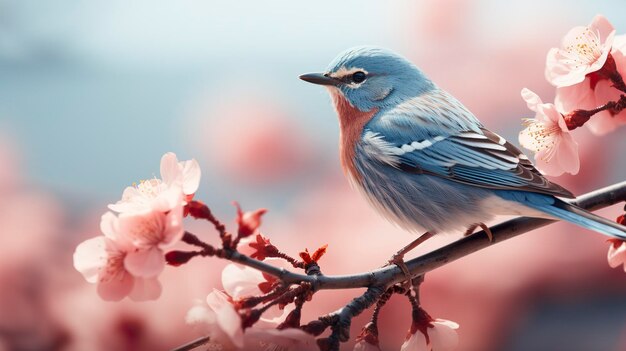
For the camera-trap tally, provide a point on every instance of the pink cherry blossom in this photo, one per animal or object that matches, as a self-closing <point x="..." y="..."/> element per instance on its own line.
<point x="101" y="260"/>
<point x="548" y="136"/>
<point x="617" y="253"/>
<point x="180" y="180"/>
<point x="221" y="319"/>
<point x="185" y="172"/>
<point x="242" y="281"/>
<point x="150" y="232"/>
<point x="583" y="50"/>
<point x="440" y="335"/>
<point x="596" y="91"/>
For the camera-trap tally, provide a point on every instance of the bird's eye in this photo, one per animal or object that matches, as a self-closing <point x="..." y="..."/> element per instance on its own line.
<point x="358" y="77"/>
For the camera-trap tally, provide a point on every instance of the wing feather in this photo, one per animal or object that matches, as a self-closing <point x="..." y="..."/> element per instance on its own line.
<point x="485" y="160"/>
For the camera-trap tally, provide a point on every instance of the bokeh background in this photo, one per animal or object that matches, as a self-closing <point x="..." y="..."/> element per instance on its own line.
<point x="92" y="93"/>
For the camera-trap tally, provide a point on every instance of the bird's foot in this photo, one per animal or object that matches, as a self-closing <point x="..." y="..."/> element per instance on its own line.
<point x="483" y="226"/>
<point x="398" y="258"/>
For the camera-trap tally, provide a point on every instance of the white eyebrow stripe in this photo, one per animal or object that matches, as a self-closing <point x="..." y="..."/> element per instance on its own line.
<point x="343" y="71"/>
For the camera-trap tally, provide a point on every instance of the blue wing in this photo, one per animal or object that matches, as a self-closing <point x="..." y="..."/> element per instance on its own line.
<point x="458" y="149"/>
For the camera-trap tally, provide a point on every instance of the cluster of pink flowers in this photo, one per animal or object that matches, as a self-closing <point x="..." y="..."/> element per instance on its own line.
<point x="585" y="70"/>
<point x="219" y="318"/>
<point x="127" y="259"/>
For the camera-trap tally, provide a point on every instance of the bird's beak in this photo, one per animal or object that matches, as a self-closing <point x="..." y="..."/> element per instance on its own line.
<point x="319" y="78"/>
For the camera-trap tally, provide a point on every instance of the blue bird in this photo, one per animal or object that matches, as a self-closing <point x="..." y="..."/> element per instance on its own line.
<point x="425" y="161"/>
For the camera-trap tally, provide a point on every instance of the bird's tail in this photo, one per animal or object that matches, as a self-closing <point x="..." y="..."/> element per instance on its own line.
<point x="574" y="214"/>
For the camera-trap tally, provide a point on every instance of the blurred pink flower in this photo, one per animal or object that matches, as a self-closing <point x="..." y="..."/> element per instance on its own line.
<point x="548" y="136"/>
<point x="583" y="50"/>
<point x="221" y="320"/>
<point x="597" y="90"/>
<point x="101" y="260"/>
<point x="617" y="253"/>
<point x="150" y="233"/>
<point x="440" y="335"/>
<point x="179" y="179"/>
<point x="257" y="142"/>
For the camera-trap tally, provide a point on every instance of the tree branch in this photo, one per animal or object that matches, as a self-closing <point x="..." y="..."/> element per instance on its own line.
<point x="390" y="275"/>
<point x="379" y="280"/>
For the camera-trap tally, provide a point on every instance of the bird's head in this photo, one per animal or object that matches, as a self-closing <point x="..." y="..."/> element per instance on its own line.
<point x="371" y="77"/>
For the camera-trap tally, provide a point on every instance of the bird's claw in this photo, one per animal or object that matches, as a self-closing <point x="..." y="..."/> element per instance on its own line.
<point x="398" y="260"/>
<point x="483" y="226"/>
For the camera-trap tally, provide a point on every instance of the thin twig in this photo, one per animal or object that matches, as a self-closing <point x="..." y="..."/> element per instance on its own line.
<point x="193" y="344"/>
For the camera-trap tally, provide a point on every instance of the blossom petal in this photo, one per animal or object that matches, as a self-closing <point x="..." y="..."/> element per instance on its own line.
<point x="617" y="256"/>
<point x="415" y="342"/>
<point x="241" y="281"/>
<point x="90" y="257"/>
<point x="532" y="99"/>
<point x="145" y="289"/>
<point x="227" y="318"/>
<point x="577" y="96"/>
<point x="567" y="154"/>
<point x="602" y="24"/>
<point x="116" y="288"/>
<point x="109" y="225"/>
<point x="443" y="336"/>
<point x="170" y="170"/>
<point x="200" y="314"/>
<point x="145" y="263"/>
<point x="174" y="230"/>
<point x="547" y="167"/>
<point x="191" y="176"/>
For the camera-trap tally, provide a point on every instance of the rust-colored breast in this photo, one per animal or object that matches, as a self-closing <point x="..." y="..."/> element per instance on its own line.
<point x="351" y="123"/>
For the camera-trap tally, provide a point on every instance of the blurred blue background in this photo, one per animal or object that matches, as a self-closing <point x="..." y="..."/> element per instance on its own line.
<point x="95" y="91"/>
